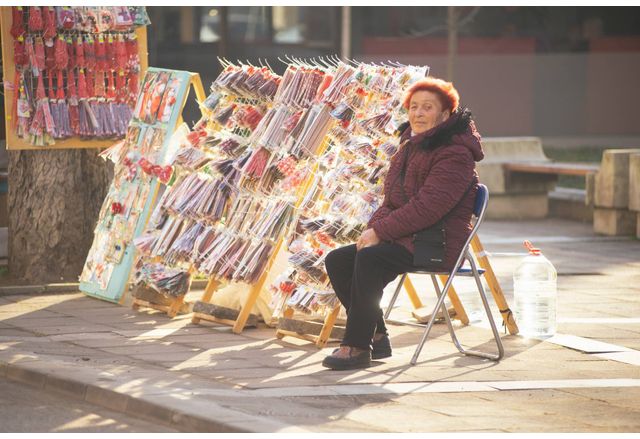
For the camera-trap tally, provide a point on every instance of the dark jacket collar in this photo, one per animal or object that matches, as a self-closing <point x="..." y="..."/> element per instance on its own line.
<point x="439" y="135"/>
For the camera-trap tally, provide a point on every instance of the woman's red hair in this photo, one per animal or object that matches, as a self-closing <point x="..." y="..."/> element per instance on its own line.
<point x="449" y="97"/>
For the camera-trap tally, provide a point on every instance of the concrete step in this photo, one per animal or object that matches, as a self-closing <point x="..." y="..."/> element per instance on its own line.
<point x="570" y="204"/>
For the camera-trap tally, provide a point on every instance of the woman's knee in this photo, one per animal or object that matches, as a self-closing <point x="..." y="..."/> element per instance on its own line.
<point x="337" y="259"/>
<point x="368" y="256"/>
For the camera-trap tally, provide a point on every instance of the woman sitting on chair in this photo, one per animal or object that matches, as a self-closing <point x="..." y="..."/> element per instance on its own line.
<point x="431" y="178"/>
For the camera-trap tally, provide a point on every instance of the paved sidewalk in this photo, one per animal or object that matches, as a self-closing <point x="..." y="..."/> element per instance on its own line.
<point x="205" y="378"/>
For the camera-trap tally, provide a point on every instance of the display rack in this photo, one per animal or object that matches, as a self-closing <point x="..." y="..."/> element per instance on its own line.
<point x="13" y="142"/>
<point x="113" y="287"/>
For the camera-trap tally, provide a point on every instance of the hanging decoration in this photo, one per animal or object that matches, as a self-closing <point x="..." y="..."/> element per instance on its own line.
<point x="66" y="59"/>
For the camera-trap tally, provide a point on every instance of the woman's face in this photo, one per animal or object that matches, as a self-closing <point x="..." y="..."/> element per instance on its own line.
<point x="425" y="111"/>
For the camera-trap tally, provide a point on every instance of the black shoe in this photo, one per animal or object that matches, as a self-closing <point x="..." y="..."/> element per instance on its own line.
<point x="358" y="361"/>
<point x="381" y="348"/>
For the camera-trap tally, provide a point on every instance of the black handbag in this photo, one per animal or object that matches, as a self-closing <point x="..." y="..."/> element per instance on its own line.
<point x="429" y="243"/>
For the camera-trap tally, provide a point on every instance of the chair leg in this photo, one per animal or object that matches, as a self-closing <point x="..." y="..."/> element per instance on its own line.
<point x="427" y="330"/>
<point x="440" y="305"/>
<point x="452" y="332"/>
<point x="485" y="303"/>
<point x="395" y="296"/>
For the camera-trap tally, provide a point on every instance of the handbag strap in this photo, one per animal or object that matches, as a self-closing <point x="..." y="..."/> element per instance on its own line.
<point x="403" y="171"/>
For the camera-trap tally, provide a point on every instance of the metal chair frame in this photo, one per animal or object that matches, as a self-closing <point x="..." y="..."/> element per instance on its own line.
<point x="480" y="206"/>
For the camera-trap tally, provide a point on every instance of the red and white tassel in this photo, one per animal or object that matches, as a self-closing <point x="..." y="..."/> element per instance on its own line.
<point x="17" y="24"/>
<point x="63" y="129"/>
<point x="35" y="19"/>
<point x="42" y="128"/>
<point x="74" y="113"/>
<point x="89" y="52"/>
<point x="53" y="106"/>
<point x="20" y="53"/>
<point x="49" y="22"/>
<point x="61" y="54"/>
<point x="88" y="121"/>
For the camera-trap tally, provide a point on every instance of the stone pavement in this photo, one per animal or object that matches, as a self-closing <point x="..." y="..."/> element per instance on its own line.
<point x="205" y="378"/>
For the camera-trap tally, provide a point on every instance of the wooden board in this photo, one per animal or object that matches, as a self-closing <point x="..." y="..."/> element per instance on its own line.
<point x="9" y="70"/>
<point x="580" y="169"/>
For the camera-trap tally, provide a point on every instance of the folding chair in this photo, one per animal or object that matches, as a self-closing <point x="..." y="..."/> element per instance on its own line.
<point x="482" y="198"/>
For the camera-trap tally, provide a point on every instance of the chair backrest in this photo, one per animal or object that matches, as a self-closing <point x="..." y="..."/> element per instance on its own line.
<point x="479" y="209"/>
<point x="482" y="198"/>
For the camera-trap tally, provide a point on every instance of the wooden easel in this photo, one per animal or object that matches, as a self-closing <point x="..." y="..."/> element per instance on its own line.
<point x="176" y="303"/>
<point x="240" y="322"/>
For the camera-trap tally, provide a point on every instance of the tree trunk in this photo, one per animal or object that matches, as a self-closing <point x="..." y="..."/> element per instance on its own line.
<point x="54" y="200"/>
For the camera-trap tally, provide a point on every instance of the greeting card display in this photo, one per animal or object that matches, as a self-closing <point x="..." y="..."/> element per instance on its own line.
<point x="140" y="164"/>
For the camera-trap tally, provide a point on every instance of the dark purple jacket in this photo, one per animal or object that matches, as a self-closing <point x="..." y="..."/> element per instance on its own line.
<point x="440" y="168"/>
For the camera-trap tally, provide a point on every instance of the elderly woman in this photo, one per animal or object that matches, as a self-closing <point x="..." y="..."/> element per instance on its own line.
<point x="432" y="178"/>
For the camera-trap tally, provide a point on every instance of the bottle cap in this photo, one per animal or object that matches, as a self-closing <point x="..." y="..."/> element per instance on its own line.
<point x="532" y="250"/>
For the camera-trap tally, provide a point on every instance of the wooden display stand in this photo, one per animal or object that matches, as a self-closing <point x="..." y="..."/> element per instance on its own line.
<point x="9" y="70"/>
<point x="240" y="322"/>
<point x="494" y="286"/>
<point x="174" y="303"/>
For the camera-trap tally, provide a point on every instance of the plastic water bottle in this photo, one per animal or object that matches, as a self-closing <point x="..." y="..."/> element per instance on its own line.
<point x="536" y="295"/>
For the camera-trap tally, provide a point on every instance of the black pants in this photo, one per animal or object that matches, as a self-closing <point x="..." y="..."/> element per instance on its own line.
<point x="358" y="278"/>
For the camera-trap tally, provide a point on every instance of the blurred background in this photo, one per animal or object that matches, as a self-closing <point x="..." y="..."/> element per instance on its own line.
<point x="568" y="72"/>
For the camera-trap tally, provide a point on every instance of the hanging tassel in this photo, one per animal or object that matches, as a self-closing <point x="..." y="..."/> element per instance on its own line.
<point x="91" y="84"/>
<point x="114" y="106"/>
<point x="49" y="23"/>
<point x="49" y="55"/>
<point x="31" y="55"/>
<point x="35" y="19"/>
<point x="89" y="52"/>
<point x="133" y="86"/>
<point x="101" y="53"/>
<point x="132" y="52"/>
<point x="20" y="53"/>
<point x="63" y="128"/>
<point x="42" y="128"/>
<point x="74" y="113"/>
<point x="110" y="45"/>
<point x="88" y="121"/>
<point x="124" y="110"/>
<point x="106" y="104"/>
<point x="120" y="54"/>
<point x="79" y="53"/>
<point x="61" y="54"/>
<point x="70" y="52"/>
<point x="95" y="91"/>
<point x="23" y="108"/>
<point x="17" y="23"/>
<point x="39" y="56"/>
<point x="96" y="97"/>
<point x="53" y="106"/>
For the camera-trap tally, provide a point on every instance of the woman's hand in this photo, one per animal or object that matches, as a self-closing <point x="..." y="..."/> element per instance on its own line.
<point x="367" y="239"/>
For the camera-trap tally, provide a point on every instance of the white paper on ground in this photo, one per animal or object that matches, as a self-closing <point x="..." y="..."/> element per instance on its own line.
<point x="585" y="344"/>
<point x="629" y="357"/>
